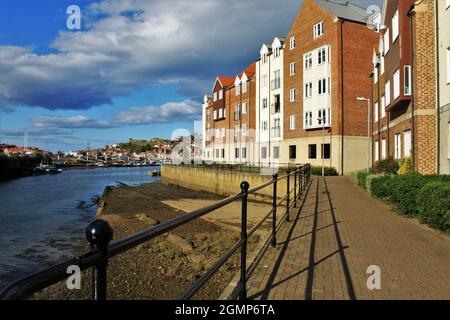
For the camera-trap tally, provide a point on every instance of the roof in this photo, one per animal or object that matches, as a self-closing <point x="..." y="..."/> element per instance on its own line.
<point x="346" y="10"/>
<point x="249" y="71"/>
<point x="226" y="81"/>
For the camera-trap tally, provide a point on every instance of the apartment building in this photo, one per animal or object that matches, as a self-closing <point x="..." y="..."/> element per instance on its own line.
<point x="443" y="88"/>
<point x="270" y="101"/>
<point x="229" y="119"/>
<point x="406" y="118"/>
<point x="326" y="62"/>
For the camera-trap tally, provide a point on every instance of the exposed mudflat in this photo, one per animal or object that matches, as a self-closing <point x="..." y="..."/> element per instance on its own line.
<point x="168" y="265"/>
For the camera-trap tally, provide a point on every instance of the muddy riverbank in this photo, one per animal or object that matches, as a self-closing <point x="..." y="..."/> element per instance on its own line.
<point x="168" y="265"/>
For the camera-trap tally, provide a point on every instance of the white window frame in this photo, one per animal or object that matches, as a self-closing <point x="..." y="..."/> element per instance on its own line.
<point x="383" y="106"/>
<point x="292" y="120"/>
<point x="407" y="85"/>
<point x="377" y="150"/>
<point x="292" y="43"/>
<point x="395" y="27"/>
<point x="407" y="143"/>
<point x="292" y="94"/>
<point x="308" y="90"/>
<point x="244" y="87"/>
<point x="220" y="94"/>
<point x="244" y="107"/>
<point x="318" y="30"/>
<point x="322" y="86"/>
<point x="215" y="97"/>
<point x="383" y="149"/>
<point x="396" y="79"/>
<point x="264" y="103"/>
<point x="308" y="60"/>
<point x="292" y="68"/>
<point x="276" y="155"/>
<point x="386" y="41"/>
<point x="387" y="92"/>
<point x="322" y="54"/>
<point x="398" y="146"/>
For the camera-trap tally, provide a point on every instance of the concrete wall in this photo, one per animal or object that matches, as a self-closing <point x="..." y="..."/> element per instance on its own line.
<point x="221" y="182"/>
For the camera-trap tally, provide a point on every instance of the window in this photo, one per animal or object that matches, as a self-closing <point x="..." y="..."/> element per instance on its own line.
<point x="325" y="151"/>
<point x="264" y="80"/>
<point x="264" y="152"/>
<point x="238" y="89"/>
<point x="407" y="77"/>
<point x="312" y="151"/>
<point x="395" y="26"/>
<point x="292" y="122"/>
<point x="220" y="94"/>
<point x="292" y="95"/>
<point x="264" y="103"/>
<point x="308" y="119"/>
<point x="217" y="153"/>
<point x="383" y="107"/>
<point x="276" y="128"/>
<point x="237" y="133"/>
<point x="308" y="90"/>
<point x="407" y="143"/>
<point x="318" y="29"/>
<point x="220" y="113"/>
<point x="244" y="107"/>
<point x="322" y="115"/>
<point x="375" y="75"/>
<point x="322" y="83"/>
<point x="236" y="152"/>
<point x="264" y="58"/>
<point x="396" y="84"/>
<point x="321" y="56"/>
<point x="244" y="129"/>
<point x="276" y="53"/>
<point x="387" y="92"/>
<point x="276" y="80"/>
<point x="292" y="152"/>
<point x="264" y="126"/>
<point x="215" y="114"/>
<point x="383" y="149"/>
<point x="398" y="146"/>
<point x="382" y="64"/>
<point x="276" y="152"/>
<point x="292" y="43"/>
<point x="215" y="96"/>
<point x="377" y="150"/>
<point x="375" y="112"/>
<point x="308" y="60"/>
<point x="386" y="41"/>
<point x="276" y="106"/>
<point x="223" y="153"/>
<point x="244" y="86"/>
<point x="237" y="111"/>
<point x="244" y="153"/>
<point x="292" y="68"/>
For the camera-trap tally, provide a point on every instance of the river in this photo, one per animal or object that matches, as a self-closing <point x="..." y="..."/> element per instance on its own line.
<point x="41" y="220"/>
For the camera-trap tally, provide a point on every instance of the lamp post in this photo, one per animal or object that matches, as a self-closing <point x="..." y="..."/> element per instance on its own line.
<point x="322" y="120"/>
<point x="368" y="129"/>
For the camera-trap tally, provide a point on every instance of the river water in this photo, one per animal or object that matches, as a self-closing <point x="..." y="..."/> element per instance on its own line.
<point x="41" y="220"/>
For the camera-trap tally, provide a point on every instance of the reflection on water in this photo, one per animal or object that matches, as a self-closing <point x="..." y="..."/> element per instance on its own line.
<point x="41" y="219"/>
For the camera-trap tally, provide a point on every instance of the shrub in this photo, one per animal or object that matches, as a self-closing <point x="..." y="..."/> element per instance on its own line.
<point x="404" y="190"/>
<point x="433" y="203"/>
<point x="405" y="166"/>
<point x="362" y="178"/>
<point x="387" y="166"/>
<point x="375" y="185"/>
<point x="329" y="171"/>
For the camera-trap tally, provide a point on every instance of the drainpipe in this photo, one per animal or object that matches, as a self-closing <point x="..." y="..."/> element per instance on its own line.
<point x="413" y="135"/>
<point x="438" y="93"/>
<point x="342" y="100"/>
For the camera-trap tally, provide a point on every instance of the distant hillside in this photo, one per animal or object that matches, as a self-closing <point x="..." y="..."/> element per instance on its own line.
<point x="143" y="145"/>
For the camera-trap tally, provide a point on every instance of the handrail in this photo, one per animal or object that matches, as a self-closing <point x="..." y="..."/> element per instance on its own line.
<point x="99" y="234"/>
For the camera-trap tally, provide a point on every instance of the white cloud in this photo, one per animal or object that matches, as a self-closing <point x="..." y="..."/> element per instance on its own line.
<point x="173" y="111"/>
<point x="75" y="122"/>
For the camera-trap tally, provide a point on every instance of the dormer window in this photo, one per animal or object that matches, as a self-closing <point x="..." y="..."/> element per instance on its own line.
<point x="220" y="94"/>
<point x="244" y="87"/>
<point x="276" y="52"/>
<point x="215" y="96"/>
<point x="318" y="29"/>
<point x="238" y="89"/>
<point x="264" y="58"/>
<point x="292" y="43"/>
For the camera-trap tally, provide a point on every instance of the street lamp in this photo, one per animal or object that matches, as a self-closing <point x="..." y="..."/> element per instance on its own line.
<point x="322" y="120"/>
<point x="368" y="130"/>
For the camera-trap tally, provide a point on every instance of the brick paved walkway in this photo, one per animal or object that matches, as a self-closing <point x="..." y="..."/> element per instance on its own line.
<point x="338" y="233"/>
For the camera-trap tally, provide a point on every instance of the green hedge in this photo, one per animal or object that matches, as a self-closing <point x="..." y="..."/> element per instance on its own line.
<point x="433" y="204"/>
<point x="329" y="171"/>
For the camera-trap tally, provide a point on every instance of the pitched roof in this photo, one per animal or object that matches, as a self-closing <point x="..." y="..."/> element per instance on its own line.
<point x="249" y="71"/>
<point x="346" y="10"/>
<point x="226" y="81"/>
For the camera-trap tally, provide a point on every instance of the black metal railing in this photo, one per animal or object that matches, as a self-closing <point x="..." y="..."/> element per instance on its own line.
<point x="99" y="234"/>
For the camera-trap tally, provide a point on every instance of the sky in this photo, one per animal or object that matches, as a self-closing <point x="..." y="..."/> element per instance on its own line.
<point x="135" y="68"/>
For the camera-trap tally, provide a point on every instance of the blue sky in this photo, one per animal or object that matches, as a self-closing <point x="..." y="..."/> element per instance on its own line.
<point x="136" y="69"/>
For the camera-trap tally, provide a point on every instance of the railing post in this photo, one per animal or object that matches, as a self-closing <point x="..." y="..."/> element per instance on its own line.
<point x="295" y="187"/>
<point x="300" y="182"/>
<point x="99" y="233"/>
<point x="288" y="202"/>
<point x="274" y="209"/>
<point x="243" y="280"/>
